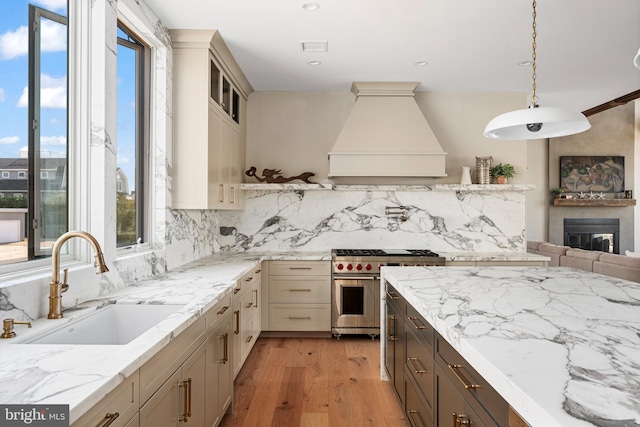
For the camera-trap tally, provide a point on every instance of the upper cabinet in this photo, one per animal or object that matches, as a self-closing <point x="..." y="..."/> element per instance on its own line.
<point x="209" y="104"/>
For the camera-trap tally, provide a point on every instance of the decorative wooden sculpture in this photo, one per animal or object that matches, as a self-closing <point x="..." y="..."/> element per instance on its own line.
<point x="273" y="176"/>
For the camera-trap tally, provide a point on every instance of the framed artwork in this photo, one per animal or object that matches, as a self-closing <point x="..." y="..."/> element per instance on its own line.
<point x="592" y="173"/>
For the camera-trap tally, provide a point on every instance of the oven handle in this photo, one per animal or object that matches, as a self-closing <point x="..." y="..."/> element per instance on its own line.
<point x="356" y="278"/>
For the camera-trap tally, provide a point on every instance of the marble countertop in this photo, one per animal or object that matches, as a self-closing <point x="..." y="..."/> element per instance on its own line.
<point x="81" y="375"/>
<point x="562" y="346"/>
<point x="494" y="256"/>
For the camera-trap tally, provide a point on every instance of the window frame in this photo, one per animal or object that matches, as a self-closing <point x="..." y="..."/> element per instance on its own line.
<point x="143" y="127"/>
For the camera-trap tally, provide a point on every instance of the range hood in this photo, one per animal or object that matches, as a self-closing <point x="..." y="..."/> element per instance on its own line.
<point x="386" y="135"/>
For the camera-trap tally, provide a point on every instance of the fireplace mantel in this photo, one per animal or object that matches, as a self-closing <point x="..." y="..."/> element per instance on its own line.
<point x="612" y="203"/>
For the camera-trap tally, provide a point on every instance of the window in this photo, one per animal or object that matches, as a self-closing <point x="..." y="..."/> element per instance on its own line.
<point x="5" y="174"/>
<point x="33" y="122"/>
<point x="44" y="174"/>
<point x="132" y="138"/>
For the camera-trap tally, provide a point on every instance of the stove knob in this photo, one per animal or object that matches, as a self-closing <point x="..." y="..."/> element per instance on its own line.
<point x="359" y="267"/>
<point x="340" y="266"/>
<point x="349" y="267"/>
<point x="368" y="267"/>
<point x="405" y="265"/>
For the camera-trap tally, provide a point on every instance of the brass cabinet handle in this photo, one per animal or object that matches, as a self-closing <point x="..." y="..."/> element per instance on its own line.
<point x="237" y="314"/>
<point x="391" y="295"/>
<point x="255" y="291"/>
<point x="416" y="369"/>
<point x="108" y="419"/>
<point x="233" y="194"/>
<point x="415" y="325"/>
<point x="390" y="337"/>
<point x="454" y="369"/>
<point x="299" y="317"/>
<point x="410" y="413"/>
<point x="257" y="272"/>
<point x="460" y="420"/>
<point x="187" y="399"/>
<point x="221" y="193"/>
<point x="249" y="338"/>
<point x="223" y="309"/>
<point x="225" y="348"/>
<point x="299" y="290"/>
<point x="236" y="290"/>
<point x="249" y="279"/>
<point x="248" y="305"/>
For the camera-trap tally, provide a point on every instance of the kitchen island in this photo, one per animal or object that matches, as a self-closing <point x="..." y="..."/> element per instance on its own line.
<point x="561" y="346"/>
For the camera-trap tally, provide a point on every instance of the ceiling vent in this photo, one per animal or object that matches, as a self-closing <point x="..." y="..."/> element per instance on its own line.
<point x="314" y="46"/>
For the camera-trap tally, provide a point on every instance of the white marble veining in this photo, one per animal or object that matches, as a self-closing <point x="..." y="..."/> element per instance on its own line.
<point x="562" y="346"/>
<point x="494" y="256"/>
<point x="80" y="375"/>
<point x="479" y="221"/>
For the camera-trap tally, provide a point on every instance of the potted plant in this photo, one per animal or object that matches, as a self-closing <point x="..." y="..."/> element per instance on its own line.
<point x="502" y="171"/>
<point x="557" y="192"/>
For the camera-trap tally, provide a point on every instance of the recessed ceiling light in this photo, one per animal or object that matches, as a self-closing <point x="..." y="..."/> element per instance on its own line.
<point x="420" y="63"/>
<point x="525" y="63"/>
<point x="310" y="7"/>
<point x="314" y="63"/>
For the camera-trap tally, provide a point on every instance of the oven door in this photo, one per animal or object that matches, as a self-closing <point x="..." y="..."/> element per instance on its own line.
<point x="356" y="302"/>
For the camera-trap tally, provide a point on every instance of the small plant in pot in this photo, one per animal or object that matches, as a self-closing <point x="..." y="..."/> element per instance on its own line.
<point x="501" y="172"/>
<point x="557" y="192"/>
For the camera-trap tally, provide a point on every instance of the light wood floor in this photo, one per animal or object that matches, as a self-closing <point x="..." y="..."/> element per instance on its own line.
<point x="314" y="382"/>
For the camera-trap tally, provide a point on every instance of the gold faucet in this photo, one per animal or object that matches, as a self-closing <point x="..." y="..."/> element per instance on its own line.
<point x="57" y="288"/>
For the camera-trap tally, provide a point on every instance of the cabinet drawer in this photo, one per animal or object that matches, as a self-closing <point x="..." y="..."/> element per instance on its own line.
<point x="423" y="330"/>
<point x="303" y="289"/>
<point x="420" y="366"/>
<point x="416" y="411"/>
<point x="123" y="401"/>
<point x="299" y="268"/>
<point x="469" y="383"/>
<point x="218" y="312"/>
<point x="394" y="298"/>
<point x="156" y="371"/>
<point x="300" y="317"/>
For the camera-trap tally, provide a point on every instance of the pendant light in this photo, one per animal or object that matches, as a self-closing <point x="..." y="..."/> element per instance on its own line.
<point x="536" y="122"/>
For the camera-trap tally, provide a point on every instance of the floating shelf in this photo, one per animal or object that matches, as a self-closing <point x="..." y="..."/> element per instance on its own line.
<point x="611" y="203"/>
<point x="470" y="188"/>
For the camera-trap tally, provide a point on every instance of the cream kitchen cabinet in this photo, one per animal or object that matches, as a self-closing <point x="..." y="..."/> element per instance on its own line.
<point x="299" y="296"/>
<point x="210" y="93"/>
<point x="246" y="317"/>
<point x="120" y="407"/>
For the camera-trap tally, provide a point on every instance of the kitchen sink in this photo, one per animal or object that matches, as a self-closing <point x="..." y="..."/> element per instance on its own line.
<point x="115" y="324"/>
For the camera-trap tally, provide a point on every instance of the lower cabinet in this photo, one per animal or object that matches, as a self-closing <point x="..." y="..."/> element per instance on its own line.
<point x="120" y="407"/>
<point x="218" y="369"/>
<point x="246" y="317"/>
<point x="436" y="386"/>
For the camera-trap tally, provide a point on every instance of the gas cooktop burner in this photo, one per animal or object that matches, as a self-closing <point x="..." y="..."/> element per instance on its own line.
<point x="385" y="252"/>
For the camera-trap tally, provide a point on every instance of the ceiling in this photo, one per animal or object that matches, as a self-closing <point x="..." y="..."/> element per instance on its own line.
<point x="585" y="48"/>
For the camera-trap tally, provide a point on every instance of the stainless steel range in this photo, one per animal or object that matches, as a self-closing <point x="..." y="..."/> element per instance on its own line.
<point x="355" y="294"/>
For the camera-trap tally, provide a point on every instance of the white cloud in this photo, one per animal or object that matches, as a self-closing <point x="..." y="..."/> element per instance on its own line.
<point x="122" y="160"/>
<point x="9" y="139"/>
<point x="53" y="38"/>
<point x="53" y="140"/>
<point x="53" y="4"/>
<point x="2" y="95"/>
<point x="53" y="93"/>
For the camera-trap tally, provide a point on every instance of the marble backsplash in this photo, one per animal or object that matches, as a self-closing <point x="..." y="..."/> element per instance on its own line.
<point x="455" y="219"/>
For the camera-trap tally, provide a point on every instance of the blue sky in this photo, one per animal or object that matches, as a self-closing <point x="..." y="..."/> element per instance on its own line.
<point x="13" y="84"/>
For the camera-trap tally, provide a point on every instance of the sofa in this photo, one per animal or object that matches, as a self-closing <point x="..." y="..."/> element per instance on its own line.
<point x="614" y="265"/>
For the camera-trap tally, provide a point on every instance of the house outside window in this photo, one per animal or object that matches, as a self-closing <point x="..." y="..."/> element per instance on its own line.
<point x="22" y="175"/>
<point x="5" y="175"/>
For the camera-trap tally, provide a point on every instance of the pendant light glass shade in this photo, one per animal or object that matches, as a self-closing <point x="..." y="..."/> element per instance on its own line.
<point x="537" y="123"/>
<point x="636" y="60"/>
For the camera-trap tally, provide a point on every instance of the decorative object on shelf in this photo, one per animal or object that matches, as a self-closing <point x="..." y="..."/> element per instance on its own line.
<point x="535" y="122"/>
<point x="600" y="196"/>
<point x="592" y="196"/>
<point x="592" y="173"/>
<point x="273" y="176"/>
<point x="483" y="169"/>
<point x="582" y="195"/>
<point x="628" y="194"/>
<point x="465" y="177"/>
<point x="502" y="171"/>
<point x="397" y="212"/>
<point x="557" y="192"/>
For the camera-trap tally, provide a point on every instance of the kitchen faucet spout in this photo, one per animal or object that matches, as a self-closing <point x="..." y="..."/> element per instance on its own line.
<point x="56" y="287"/>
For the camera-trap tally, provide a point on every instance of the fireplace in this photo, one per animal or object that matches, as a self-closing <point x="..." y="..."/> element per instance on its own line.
<point x="593" y="234"/>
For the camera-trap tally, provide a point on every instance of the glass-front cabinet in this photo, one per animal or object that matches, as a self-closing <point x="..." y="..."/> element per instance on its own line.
<point x="223" y="93"/>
